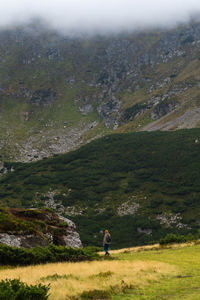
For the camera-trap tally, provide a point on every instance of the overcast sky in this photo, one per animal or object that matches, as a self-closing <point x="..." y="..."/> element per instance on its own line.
<point x="99" y="15"/>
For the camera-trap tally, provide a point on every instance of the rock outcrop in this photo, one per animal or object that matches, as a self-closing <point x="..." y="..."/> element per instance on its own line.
<point x="35" y="227"/>
<point x="22" y="240"/>
<point x="72" y="238"/>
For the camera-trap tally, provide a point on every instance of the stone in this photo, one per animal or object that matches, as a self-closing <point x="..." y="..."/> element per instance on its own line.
<point x="86" y="109"/>
<point x="72" y="238"/>
<point x="147" y="231"/>
<point x="127" y="208"/>
<point x="25" y="241"/>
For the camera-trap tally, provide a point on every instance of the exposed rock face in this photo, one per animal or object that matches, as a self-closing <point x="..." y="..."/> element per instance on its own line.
<point x="43" y="97"/>
<point x="72" y="239"/>
<point x="86" y="109"/>
<point x="52" y="229"/>
<point x="109" y="111"/>
<point x="163" y="108"/>
<point x="170" y="220"/>
<point x="25" y="241"/>
<point x="57" y="205"/>
<point x="128" y="209"/>
<point x="52" y="141"/>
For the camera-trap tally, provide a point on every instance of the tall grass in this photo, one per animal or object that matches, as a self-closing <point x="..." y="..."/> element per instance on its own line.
<point x="72" y="279"/>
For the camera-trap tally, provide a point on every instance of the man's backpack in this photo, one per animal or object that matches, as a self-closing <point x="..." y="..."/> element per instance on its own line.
<point x="108" y="239"/>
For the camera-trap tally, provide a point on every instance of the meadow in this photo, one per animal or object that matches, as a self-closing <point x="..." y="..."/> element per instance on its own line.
<point x="148" y="272"/>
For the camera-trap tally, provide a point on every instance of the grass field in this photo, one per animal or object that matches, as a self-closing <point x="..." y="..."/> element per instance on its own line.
<point x="134" y="273"/>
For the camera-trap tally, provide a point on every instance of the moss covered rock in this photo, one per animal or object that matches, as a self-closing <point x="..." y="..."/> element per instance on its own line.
<point x="36" y="227"/>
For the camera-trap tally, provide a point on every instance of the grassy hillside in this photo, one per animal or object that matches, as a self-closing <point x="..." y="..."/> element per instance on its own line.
<point x="140" y="273"/>
<point x="139" y="185"/>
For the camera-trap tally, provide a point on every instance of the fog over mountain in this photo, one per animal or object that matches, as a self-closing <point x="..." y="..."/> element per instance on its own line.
<point x="99" y="16"/>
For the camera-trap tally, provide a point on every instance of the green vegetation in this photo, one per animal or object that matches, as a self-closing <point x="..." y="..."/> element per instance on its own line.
<point x="17" y="290"/>
<point x="37" y="255"/>
<point x="175" y="238"/>
<point x="56" y="277"/>
<point x="156" y="171"/>
<point x="94" y="294"/>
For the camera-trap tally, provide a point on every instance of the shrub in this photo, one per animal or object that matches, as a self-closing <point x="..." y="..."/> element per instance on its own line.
<point x="17" y="290"/>
<point x="96" y="294"/>
<point x="56" y="277"/>
<point x="190" y="237"/>
<point x="103" y="274"/>
<point x="172" y="238"/>
<point x="175" y="238"/>
<point x="20" y="256"/>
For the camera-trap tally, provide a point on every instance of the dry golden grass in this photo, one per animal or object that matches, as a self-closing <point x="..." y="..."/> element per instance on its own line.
<point x="87" y="276"/>
<point x="151" y="247"/>
<point x="134" y="249"/>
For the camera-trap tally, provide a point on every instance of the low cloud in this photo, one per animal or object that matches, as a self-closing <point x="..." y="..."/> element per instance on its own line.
<point x="99" y="16"/>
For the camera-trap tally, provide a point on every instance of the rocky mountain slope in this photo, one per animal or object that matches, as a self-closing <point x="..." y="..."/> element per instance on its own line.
<point x="59" y="92"/>
<point x="140" y="185"/>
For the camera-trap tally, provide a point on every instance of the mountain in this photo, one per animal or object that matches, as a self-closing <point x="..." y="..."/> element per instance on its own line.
<point x="58" y="92"/>
<point x="140" y="185"/>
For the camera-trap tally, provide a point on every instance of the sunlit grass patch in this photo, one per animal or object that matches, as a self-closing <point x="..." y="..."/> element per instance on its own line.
<point x="152" y="247"/>
<point x="131" y="249"/>
<point x="70" y="280"/>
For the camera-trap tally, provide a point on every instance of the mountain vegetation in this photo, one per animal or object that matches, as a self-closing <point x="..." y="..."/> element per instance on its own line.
<point x="139" y="185"/>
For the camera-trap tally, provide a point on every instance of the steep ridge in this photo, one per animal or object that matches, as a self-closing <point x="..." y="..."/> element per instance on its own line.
<point x="140" y="185"/>
<point x="59" y="92"/>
